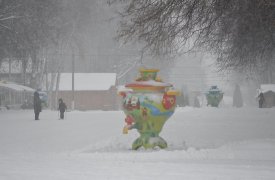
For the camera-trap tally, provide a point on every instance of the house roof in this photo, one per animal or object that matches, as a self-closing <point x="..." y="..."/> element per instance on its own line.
<point x="16" y="87"/>
<point x="267" y="87"/>
<point x="87" y="81"/>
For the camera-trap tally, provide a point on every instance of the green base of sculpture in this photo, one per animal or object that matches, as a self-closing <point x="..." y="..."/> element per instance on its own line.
<point x="149" y="141"/>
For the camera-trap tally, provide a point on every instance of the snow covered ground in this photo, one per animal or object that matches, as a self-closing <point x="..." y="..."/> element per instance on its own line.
<point x="204" y="143"/>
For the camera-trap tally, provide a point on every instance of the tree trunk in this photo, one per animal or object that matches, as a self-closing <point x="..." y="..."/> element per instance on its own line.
<point x="33" y="82"/>
<point x="24" y="68"/>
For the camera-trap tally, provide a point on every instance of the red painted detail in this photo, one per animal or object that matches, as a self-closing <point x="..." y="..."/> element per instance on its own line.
<point x="123" y="94"/>
<point x="129" y="120"/>
<point x="168" y="101"/>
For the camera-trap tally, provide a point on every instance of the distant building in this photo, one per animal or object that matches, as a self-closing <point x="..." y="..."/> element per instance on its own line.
<point x="92" y="91"/>
<point x="269" y="95"/>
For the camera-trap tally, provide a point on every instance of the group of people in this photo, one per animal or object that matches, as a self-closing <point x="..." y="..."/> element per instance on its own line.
<point x="38" y="107"/>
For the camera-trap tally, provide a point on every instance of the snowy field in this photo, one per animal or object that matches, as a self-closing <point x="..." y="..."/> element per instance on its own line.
<point x="205" y="143"/>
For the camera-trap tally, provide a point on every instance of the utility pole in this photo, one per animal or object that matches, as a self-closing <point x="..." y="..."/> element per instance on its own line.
<point x="10" y="80"/>
<point x="73" y="69"/>
<point x="9" y="69"/>
<point x="46" y="73"/>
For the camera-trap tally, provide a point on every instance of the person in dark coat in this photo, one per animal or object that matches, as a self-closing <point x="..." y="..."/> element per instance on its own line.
<point x="36" y="105"/>
<point x="62" y="108"/>
<point x="261" y="100"/>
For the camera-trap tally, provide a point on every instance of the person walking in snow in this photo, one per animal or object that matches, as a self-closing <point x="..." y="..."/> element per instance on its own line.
<point x="62" y="108"/>
<point x="261" y="100"/>
<point x="36" y="105"/>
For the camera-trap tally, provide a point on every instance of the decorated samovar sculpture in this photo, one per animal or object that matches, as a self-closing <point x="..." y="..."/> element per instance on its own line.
<point x="214" y="96"/>
<point x="148" y="103"/>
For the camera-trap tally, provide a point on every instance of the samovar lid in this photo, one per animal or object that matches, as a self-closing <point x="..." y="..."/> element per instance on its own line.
<point x="148" y="85"/>
<point x="148" y="80"/>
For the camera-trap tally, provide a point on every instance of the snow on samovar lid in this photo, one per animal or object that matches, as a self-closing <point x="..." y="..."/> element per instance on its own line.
<point x="148" y="80"/>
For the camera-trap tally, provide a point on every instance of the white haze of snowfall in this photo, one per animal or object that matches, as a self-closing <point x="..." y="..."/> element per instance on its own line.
<point x="203" y="143"/>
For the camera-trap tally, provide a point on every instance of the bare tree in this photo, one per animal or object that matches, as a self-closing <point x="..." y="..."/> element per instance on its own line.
<point x="240" y="32"/>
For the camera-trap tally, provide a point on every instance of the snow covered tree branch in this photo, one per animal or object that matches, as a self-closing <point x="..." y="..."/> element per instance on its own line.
<point x="240" y="33"/>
